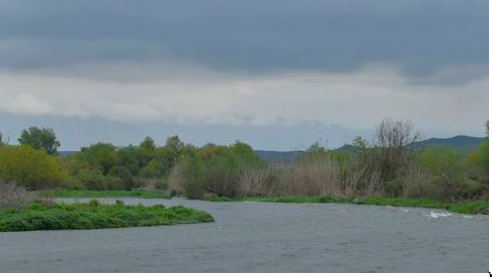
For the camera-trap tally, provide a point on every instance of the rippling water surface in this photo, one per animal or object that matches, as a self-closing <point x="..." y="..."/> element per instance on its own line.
<point x="264" y="237"/>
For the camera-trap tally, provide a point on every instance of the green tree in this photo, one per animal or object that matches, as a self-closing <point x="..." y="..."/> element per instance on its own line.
<point x="444" y="163"/>
<point x="129" y="157"/>
<point x="164" y="159"/>
<point x="37" y="138"/>
<point x="146" y="151"/>
<point x="477" y="163"/>
<point x="30" y="168"/>
<point x="175" y="143"/>
<point x="124" y="175"/>
<point x="101" y="155"/>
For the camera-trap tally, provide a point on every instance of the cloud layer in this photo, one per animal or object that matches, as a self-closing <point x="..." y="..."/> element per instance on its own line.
<point x="202" y="96"/>
<point x="247" y="63"/>
<point x="418" y="36"/>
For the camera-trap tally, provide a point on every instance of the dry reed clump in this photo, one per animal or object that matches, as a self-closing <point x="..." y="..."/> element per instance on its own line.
<point x="14" y="196"/>
<point x="175" y="182"/>
<point x="309" y="177"/>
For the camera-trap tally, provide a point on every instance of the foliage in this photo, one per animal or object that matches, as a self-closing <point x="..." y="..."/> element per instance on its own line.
<point x="101" y="155"/>
<point x="163" y="160"/>
<point x="175" y="144"/>
<point x="128" y="157"/>
<point x="146" y="151"/>
<point x="124" y="175"/>
<point x="444" y="163"/>
<point x="37" y="138"/>
<point x="215" y="169"/>
<point x="29" y="168"/>
<point x="477" y="162"/>
<point x="95" y="215"/>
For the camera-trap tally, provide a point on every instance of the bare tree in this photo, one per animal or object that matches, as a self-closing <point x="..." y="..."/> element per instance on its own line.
<point x="395" y="140"/>
<point x="396" y="134"/>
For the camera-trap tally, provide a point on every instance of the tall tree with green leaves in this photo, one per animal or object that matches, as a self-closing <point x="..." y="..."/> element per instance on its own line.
<point x="40" y="139"/>
<point x="444" y="163"/>
<point x="477" y="162"/>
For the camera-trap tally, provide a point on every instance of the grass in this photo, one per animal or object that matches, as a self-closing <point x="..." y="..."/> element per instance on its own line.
<point x="94" y="215"/>
<point x="67" y="193"/>
<point x="471" y="207"/>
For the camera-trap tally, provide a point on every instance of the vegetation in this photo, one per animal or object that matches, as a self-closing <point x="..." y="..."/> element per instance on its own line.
<point x="94" y="215"/>
<point x="32" y="169"/>
<point x="393" y="165"/>
<point x="148" y="194"/>
<point x="477" y="162"/>
<point x="40" y="139"/>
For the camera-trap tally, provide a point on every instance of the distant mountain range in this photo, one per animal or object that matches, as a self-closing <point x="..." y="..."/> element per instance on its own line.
<point x="464" y="145"/>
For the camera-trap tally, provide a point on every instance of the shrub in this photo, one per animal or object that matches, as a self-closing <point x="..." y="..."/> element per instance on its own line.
<point x="13" y="196"/>
<point x="30" y="168"/>
<point x="477" y="163"/>
<point x="444" y="164"/>
<point x="90" y="179"/>
<point x="124" y="175"/>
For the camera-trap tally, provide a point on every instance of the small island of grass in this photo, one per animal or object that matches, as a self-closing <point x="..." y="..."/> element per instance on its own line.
<point x="94" y="215"/>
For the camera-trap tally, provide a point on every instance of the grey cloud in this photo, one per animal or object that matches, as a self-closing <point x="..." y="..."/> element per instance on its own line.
<point x="420" y="37"/>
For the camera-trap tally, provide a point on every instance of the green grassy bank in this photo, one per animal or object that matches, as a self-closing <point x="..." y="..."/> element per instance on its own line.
<point x="471" y="207"/>
<point x="66" y="193"/>
<point x="94" y="215"/>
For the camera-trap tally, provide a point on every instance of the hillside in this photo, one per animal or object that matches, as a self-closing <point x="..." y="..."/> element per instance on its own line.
<point x="457" y="141"/>
<point x="464" y="145"/>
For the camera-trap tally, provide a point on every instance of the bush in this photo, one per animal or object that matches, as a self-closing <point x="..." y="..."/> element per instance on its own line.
<point x="90" y="179"/>
<point x="124" y="175"/>
<point x="13" y="196"/>
<point x="30" y="168"/>
<point x="445" y="165"/>
<point x="477" y="163"/>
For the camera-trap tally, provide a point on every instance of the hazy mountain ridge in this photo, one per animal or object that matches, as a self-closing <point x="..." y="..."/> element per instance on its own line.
<point x="464" y="145"/>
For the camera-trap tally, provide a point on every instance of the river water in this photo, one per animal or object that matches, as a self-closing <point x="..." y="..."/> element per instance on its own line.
<point x="264" y="237"/>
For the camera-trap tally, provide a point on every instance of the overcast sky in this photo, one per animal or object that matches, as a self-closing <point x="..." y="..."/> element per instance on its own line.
<point x="278" y="74"/>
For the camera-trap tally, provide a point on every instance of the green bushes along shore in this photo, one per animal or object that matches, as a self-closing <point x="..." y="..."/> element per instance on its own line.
<point x="393" y="165"/>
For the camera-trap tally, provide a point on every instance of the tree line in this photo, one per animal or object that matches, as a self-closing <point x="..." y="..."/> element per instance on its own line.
<point x="390" y="165"/>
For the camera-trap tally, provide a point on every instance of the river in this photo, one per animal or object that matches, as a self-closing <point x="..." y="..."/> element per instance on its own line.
<point x="264" y="237"/>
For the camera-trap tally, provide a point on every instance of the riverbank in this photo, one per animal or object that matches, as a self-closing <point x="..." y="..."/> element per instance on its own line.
<point x="94" y="215"/>
<point x="470" y="207"/>
<point x="147" y="194"/>
<point x="465" y="207"/>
